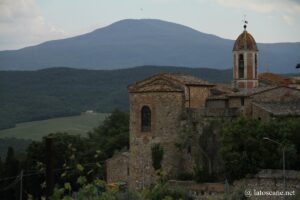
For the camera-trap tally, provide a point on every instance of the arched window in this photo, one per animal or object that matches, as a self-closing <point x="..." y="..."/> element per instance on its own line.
<point x="145" y="119"/>
<point x="241" y="66"/>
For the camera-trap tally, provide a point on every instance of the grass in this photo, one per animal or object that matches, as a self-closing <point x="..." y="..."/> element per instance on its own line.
<point x="35" y="130"/>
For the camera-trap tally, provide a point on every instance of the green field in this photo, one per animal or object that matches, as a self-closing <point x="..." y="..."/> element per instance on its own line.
<point x="37" y="129"/>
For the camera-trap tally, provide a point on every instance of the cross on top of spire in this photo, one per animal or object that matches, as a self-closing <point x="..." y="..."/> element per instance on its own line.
<point x="245" y="22"/>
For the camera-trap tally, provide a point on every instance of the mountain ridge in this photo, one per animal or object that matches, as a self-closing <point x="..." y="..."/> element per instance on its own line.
<point x="130" y="42"/>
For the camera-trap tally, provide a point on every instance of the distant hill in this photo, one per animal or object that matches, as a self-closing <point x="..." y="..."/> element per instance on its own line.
<point x="56" y="92"/>
<point x="130" y="43"/>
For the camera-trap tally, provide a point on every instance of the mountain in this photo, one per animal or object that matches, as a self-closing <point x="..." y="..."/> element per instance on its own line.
<point x="129" y="43"/>
<point x="48" y="93"/>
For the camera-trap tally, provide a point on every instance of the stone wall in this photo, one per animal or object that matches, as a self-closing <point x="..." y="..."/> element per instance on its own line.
<point x="198" y="96"/>
<point x="166" y="111"/>
<point x="264" y="181"/>
<point x="271" y="180"/>
<point x="197" y="115"/>
<point x="259" y="113"/>
<point x="235" y="102"/>
<point x="247" y="108"/>
<point x="117" y="168"/>
<point x="217" y="103"/>
<point x="203" y="191"/>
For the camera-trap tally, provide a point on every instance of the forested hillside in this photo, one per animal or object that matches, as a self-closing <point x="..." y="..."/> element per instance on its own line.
<point x="56" y="92"/>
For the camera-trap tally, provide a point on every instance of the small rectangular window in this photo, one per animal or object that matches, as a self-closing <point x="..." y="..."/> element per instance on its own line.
<point x="242" y="101"/>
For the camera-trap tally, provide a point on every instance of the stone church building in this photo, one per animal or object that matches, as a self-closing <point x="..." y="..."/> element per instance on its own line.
<point x="159" y="106"/>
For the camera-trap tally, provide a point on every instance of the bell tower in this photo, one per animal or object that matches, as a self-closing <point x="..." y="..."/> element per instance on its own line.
<point x="245" y="61"/>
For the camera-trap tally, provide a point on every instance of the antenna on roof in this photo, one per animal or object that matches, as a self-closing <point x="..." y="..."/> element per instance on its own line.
<point x="245" y="22"/>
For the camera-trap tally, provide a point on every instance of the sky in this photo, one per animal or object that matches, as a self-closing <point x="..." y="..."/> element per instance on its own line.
<point x="30" y="22"/>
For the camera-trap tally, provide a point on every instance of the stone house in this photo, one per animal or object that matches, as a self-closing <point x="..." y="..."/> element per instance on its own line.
<point x="159" y="106"/>
<point x="156" y="108"/>
<point x="261" y="102"/>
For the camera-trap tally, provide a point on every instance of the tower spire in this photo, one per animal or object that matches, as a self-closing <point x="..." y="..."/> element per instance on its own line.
<point x="245" y="56"/>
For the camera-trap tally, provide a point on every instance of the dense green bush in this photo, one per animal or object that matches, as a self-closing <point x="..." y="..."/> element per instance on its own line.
<point x="165" y="191"/>
<point x="245" y="151"/>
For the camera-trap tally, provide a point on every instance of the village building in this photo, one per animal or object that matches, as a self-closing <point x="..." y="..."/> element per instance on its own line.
<point x="160" y="106"/>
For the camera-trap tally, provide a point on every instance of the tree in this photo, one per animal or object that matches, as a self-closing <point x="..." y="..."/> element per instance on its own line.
<point x="1" y="167"/>
<point x="11" y="169"/>
<point x="204" y="148"/>
<point x="11" y="166"/>
<point x="112" y="135"/>
<point x="69" y="150"/>
<point x="209" y="143"/>
<point x="245" y="152"/>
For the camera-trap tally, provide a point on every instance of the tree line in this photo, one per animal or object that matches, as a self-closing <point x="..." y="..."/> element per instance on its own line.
<point x="57" y="92"/>
<point x="241" y="148"/>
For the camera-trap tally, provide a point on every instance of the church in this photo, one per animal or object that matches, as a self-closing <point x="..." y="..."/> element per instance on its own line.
<point x="161" y="105"/>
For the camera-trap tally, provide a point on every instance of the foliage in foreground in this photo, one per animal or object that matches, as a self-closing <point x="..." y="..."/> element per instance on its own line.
<point x="245" y="151"/>
<point x="100" y="190"/>
<point x="90" y="152"/>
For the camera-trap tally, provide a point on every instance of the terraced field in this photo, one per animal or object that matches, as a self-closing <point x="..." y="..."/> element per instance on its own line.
<point x="37" y="129"/>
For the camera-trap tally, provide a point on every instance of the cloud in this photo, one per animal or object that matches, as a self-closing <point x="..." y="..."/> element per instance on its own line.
<point x="22" y="24"/>
<point x="296" y="1"/>
<point x="289" y="10"/>
<point x="264" y="6"/>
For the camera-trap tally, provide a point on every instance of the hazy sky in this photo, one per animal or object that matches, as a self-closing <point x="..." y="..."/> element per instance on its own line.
<point x="29" y="22"/>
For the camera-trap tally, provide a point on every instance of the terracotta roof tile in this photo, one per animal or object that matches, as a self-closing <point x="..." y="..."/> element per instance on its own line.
<point x="186" y="79"/>
<point x="176" y="81"/>
<point x="245" y="41"/>
<point x="274" y="78"/>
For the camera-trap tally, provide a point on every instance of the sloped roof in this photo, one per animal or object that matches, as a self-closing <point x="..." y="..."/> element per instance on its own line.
<point x="274" y="78"/>
<point x="281" y="109"/>
<point x="245" y="41"/>
<point x="186" y="79"/>
<point x="251" y="91"/>
<point x="168" y="82"/>
<point x="221" y="89"/>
